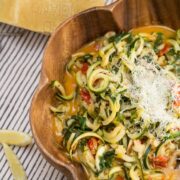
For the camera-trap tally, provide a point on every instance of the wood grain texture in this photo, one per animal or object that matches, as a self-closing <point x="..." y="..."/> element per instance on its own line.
<point x="67" y="39"/>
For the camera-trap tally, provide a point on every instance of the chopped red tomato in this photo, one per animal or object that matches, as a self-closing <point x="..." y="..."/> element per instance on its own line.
<point x="84" y="68"/>
<point x="85" y="95"/>
<point x="176" y="101"/>
<point x="93" y="145"/>
<point x="119" y="178"/>
<point x="164" y="50"/>
<point x="160" y="161"/>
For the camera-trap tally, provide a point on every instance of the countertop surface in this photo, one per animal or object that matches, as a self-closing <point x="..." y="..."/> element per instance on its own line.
<point x="21" y="54"/>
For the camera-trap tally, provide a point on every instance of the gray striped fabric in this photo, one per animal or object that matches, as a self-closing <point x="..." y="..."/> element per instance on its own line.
<point x="20" y="63"/>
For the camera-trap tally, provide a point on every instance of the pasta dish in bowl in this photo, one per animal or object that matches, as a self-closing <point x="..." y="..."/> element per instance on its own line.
<point x="117" y="111"/>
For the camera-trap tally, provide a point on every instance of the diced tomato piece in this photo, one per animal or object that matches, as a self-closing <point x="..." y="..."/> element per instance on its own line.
<point x="164" y="50"/>
<point x="85" y="95"/>
<point x="84" y="68"/>
<point x="93" y="145"/>
<point x="119" y="178"/>
<point x="160" y="161"/>
<point x="176" y="101"/>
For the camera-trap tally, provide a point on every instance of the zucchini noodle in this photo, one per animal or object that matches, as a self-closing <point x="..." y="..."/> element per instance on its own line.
<point x="122" y="118"/>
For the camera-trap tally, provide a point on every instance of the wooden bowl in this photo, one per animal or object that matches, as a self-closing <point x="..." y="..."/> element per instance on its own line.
<point x="67" y="39"/>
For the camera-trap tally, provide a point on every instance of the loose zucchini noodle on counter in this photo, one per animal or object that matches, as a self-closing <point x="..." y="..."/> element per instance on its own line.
<point x="118" y="110"/>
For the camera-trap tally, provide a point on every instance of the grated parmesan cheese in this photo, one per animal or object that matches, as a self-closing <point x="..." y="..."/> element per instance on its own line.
<point x="152" y="91"/>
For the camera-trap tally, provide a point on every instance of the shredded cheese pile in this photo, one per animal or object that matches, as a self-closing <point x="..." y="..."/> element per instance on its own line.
<point x="152" y="89"/>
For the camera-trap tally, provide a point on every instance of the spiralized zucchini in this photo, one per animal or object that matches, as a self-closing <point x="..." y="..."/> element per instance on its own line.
<point x="123" y="119"/>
